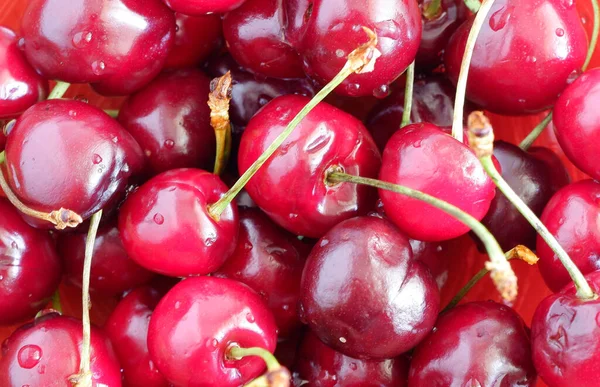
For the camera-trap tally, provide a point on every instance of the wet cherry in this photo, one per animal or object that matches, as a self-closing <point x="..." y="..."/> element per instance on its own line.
<point x="203" y="7"/>
<point x="196" y="37"/>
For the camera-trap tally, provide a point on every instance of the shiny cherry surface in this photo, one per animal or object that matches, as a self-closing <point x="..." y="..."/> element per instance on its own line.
<point x="165" y="226"/>
<point x="363" y="293"/>
<point x="203" y="7"/>
<point x="170" y="119"/>
<point x="20" y="85"/>
<point x="196" y="322"/>
<point x="475" y="344"/>
<point x="423" y="157"/>
<point x="540" y="41"/>
<point x="118" y="46"/>
<point x="196" y="37"/>
<point x="326" y="138"/>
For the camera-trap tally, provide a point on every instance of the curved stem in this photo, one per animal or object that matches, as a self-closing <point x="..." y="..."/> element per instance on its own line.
<point x="237" y="352"/>
<point x="218" y="101"/>
<point x="114" y="113"/>
<point x="473" y="5"/>
<point x="594" y="38"/>
<point x="535" y="133"/>
<point x="461" y="86"/>
<point x="408" y="94"/>
<point x="503" y="276"/>
<point x="59" y="90"/>
<point x="432" y="9"/>
<point x="2" y="157"/>
<point x="56" y="305"/>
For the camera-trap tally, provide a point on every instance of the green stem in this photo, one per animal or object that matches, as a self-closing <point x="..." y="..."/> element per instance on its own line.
<point x="56" y="305"/>
<point x="2" y="157"/>
<point x="432" y="9"/>
<point x="408" y="94"/>
<point x="114" y="113"/>
<point x="473" y="5"/>
<point x="535" y="133"/>
<point x="594" y="38"/>
<point x="59" y="90"/>
<point x="237" y="352"/>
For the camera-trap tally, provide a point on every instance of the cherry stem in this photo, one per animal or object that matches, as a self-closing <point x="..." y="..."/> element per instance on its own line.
<point x="408" y="94"/>
<point x="59" y="90"/>
<point x="218" y="101"/>
<point x="502" y="274"/>
<point x="56" y="304"/>
<point x="2" y="157"/>
<point x="461" y="86"/>
<point x="276" y="376"/>
<point x="361" y="60"/>
<point x="432" y="9"/>
<point x="114" y="113"/>
<point x="473" y="5"/>
<point x="535" y="133"/>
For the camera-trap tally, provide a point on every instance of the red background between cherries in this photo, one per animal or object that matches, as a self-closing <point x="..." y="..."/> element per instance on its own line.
<point x="531" y="286"/>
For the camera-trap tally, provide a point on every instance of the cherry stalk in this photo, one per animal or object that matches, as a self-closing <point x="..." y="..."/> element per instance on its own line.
<point x="408" y="94"/>
<point x="218" y="100"/>
<point x="276" y="376"/>
<point x="59" y="90"/>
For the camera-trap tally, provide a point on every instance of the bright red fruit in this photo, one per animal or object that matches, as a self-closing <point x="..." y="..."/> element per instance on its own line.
<point x="196" y="37"/>
<point x="203" y="7"/>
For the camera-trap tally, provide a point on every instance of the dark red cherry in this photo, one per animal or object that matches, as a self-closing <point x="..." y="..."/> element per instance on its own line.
<point x="197" y="322"/>
<point x="475" y="344"/>
<point x="20" y="85"/>
<point x="577" y="122"/>
<point x="66" y="153"/>
<point x="46" y="352"/>
<point x="324" y="32"/>
<point x="320" y="365"/>
<point x="170" y="119"/>
<point x="327" y="138"/>
<point x="118" y="46"/>
<point x="541" y="41"/>
<point x="560" y="175"/>
<point x="30" y="268"/>
<point x="196" y="37"/>
<point x="572" y="217"/>
<point x="203" y="7"/>
<point x="266" y="259"/>
<point x="165" y="225"/>
<point x="363" y="293"/>
<point x="423" y="157"/>
<point x="127" y="329"/>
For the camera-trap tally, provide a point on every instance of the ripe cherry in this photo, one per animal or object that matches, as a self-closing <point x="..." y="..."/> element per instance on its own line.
<point x="117" y="46"/>
<point x="20" y="85"/>
<point x="560" y="176"/>
<point x="475" y="344"/>
<point x="327" y="138"/>
<point x="196" y="37"/>
<point x="203" y="7"/>
<point x="198" y="321"/>
<point x="363" y="293"/>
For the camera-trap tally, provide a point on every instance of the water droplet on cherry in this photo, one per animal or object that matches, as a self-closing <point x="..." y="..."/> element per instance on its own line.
<point x="250" y="318"/>
<point x="159" y="219"/>
<point x="499" y="19"/>
<point x="353" y="366"/>
<point x="98" y="67"/>
<point x="212" y="344"/>
<point x="381" y="92"/>
<point x="97" y="159"/>
<point x="339" y="53"/>
<point x="210" y="241"/>
<point x="388" y="29"/>
<point x="560" y="32"/>
<point x="29" y="356"/>
<point x="169" y="144"/>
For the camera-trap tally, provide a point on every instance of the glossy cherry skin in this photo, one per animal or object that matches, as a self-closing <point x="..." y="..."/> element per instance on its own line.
<point x="363" y="293"/>
<point x="541" y="41"/>
<point x="565" y="337"/>
<point x="572" y="217"/>
<point x="170" y="119"/>
<point x="30" y="269"/>
<point x="20" y="85"/>
<point x="576" y="121"/>
<point x="475" y="344"/>
<point x="326" y="138"/>
<point x="324" y="32"/>
<point x="196" y="37"/>
<point x="46" y="353"/>
<point x="127" y="329"/>
<point x="203" y="7"/>
<point x="322" y="366"/>
<point x="267" y="259"/>
<point x="560" y="176"/>
<point x="423" y="157"/>
<point x="165" y="226"/>
<point x="195" y="324"/>
<point x="117" y="46"/>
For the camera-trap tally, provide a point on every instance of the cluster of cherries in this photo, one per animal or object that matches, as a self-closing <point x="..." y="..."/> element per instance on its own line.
<point x="311" y="262"/>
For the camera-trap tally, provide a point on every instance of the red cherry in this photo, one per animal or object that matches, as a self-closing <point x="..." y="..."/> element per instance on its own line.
<point x="203" y="7"/>
<point x="475" y="344"/>
<point x="197" y="322"/>
<point x="423" y="157"/>
<point x="20" y="85"/>
<point x="127" y="329"/>
<point x="196" y="37"/>
<point x="320" y="365"/>
<point x="165" y="225"/>
<point x="577" y="122"/>
<point x="560" y="175"/>
<point x="118" y="46"/>
<point x="541" y="41"/>
<point x="170" y="119"/>
<point x="46" y="353"/>
<point x="363" y="293"/>
<point x="327" y="138"/>
<point x="572" y="217"/>
<point x="324" y="32"/>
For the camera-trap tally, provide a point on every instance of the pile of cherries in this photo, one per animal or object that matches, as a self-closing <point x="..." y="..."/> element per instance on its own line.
<point x="339" y="281"/>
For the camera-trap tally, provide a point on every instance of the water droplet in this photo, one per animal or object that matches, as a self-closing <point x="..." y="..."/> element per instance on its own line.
<point x="339" y="53"/>
<point x="29" y="356"/>
<point x="354" y="87"/>
<point x="177" y="305"/>
<point x="98" y="67"/>
<point x="285" y="307"/>
<point x="499" y="18"/>
<point x="418" y="144"/>
<point x="212" y="344"/>
<point x="353" y="366"/>
<point x="159" y="219"/>
<point x="97" y="159"/>
<point x="381" y="92"/>
<point x="81" y="39"/>
<point x="561" y="221"/>
<point x="14" y="245"/>
<point x="317" y="143"/>
<point x="125" y="168"/>
<point x="262" y="100"/>
<point x="560" y="32"/>
<point x="324" y="242"/>
<point x="250" y="318"/>
<point x="21" y="44"/>
<point x="1" y="277"/>
<point x="176" y="27"/>
<point x="293" y="216"/>
<point x="210" y="241"/>
<point x="115" y="139"/>
<point x="388" y="29"/>
<point x="41" y="369"/>
<point x="248" y="246"/>
<point x="169" y="144"/>
<point x="567" y="3"/>
<point x="531" y="59"/>
<point x="343" y="340"/>
<point x="151" y="366"/>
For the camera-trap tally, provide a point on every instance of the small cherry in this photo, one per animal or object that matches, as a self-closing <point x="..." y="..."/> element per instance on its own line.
<point x="199" y="322"/>
<point x="203" y="7"/>
<point x="196" y="38"/>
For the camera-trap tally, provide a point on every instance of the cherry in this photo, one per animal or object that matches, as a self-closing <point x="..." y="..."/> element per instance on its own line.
<point x="117" y="46"/>
<point x="268" y="260"/>
<point x="576" y="122"/>
<point x="170" y="119"/>
<point x="475" y="344"/>
<point x="324" y="32"/>
<point x="198" y="321"/>
<point x="560" y="176"/>
<point x="196" y="37"/>
<point x="320" y="365"/>
<point x="203" y="7"/>
<point x="127" y="328"/>
<point x="165" y="225"/>
<point x="423" y="157"/>
<point x="572" y="217"/>
<point x="363" y="293"/>
<point x="543" y="42"/>
<point x="65" y="153"/>
<point x="46" y="353"/>
<point x="326" y="138"/>
<point x="20" y="85"/>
